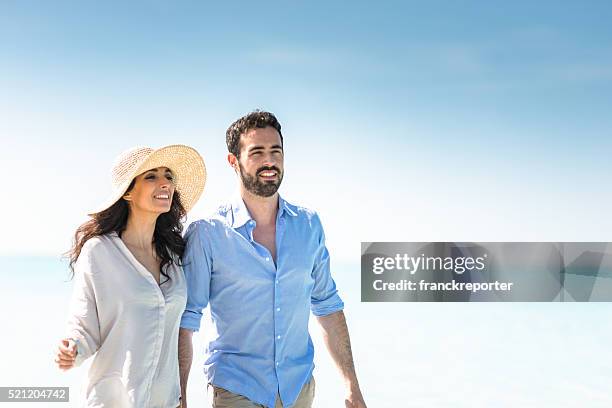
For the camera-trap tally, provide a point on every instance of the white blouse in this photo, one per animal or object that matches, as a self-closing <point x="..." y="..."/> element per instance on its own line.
<point x="131" y="324"/>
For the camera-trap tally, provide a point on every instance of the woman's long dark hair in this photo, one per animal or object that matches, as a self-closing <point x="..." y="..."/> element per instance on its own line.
<point x="167" y="237"/>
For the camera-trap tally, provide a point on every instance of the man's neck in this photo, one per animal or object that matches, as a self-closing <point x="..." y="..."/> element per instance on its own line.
<point x="262" y="209"/>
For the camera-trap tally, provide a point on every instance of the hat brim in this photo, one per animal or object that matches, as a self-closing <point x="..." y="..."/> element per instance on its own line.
<point x="186" y="165"/>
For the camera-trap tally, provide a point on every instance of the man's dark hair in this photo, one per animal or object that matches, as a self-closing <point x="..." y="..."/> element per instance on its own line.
<point x="254" y="120"/>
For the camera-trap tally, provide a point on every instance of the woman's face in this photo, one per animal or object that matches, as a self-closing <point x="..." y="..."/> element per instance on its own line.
<point x="152" y="191"/>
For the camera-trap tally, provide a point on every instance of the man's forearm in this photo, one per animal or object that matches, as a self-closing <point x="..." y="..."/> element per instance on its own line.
<point x="338" y="342"/>
<point x="185" y="355"/>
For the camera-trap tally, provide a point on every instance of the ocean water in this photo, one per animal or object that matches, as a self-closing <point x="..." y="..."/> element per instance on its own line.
<point x="407" y="354"/>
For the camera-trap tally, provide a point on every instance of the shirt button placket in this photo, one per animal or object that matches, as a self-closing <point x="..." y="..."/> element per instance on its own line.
<point x="276" y="319"/>
<point x="160" y="337"/>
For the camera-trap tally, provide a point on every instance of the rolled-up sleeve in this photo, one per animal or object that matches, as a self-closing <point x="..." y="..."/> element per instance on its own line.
<point x="324" y="299"/>
<point x="197" y="266"/>
<point x="83" y="322"/>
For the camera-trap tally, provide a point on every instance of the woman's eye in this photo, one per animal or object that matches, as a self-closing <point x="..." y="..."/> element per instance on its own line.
<point x="150" y="177"/>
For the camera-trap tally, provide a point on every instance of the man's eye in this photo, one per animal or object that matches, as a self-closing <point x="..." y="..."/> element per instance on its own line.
<point x="150" y="177"/>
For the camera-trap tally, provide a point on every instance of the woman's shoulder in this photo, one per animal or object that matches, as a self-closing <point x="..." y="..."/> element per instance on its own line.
<point x="97" y="252"/>
<point x="98" y="246"/>
<point x="99" y="242"/>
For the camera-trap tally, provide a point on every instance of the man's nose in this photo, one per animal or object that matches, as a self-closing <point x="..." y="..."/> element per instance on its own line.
<point x="269" y="160"/>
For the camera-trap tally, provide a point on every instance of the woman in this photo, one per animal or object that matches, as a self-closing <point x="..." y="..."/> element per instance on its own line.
<point x="129" y="290"/>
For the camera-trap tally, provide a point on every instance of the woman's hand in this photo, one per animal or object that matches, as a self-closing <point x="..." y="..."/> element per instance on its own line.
<point x="66" y="354"/>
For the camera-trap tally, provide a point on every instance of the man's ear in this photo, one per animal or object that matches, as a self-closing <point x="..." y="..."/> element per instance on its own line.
<point x="233" y="161"/>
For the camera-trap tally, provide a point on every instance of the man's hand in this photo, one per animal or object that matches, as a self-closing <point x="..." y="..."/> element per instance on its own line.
<point x="336" y="338"/>
<point x="354" y="400"/>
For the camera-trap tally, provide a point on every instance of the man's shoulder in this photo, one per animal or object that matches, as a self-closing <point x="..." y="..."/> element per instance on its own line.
<point x="302" y="213"/>
<point x="220" y="216"/>
<point x="215" y="220"/>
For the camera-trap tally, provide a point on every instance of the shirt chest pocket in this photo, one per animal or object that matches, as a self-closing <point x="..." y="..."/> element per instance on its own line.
<point x="297" y="273"/>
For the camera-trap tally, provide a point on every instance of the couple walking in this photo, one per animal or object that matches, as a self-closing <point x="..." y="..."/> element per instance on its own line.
<point x="259" y="263"/>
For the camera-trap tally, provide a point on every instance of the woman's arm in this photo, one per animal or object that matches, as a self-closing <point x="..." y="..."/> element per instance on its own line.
<point x="83" y="331"/>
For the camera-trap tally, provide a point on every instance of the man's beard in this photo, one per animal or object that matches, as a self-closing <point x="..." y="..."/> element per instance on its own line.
<point x="261" y="188"/>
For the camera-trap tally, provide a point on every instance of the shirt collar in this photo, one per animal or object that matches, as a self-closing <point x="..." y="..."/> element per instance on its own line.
<point x="239" y="211"/>
<point x="241" y="215"/>
<point x="285" y="207"/>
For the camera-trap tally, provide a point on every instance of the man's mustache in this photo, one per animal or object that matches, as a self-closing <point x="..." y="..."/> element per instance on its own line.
<point x="270" y="168"/>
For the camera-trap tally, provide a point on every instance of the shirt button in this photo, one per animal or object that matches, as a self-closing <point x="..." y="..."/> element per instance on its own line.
<point x="267" y="258"/>
<point x="278" y="337"/>
<point x="277" y="363"/>
<point x="277" y="282"/>
<point x="278" y="309"/>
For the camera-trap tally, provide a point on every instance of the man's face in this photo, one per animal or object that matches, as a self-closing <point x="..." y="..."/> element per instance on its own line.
<point x="261" y="161"/>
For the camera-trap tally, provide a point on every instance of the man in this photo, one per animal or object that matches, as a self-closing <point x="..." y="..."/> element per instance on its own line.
<point x="261" y="265"/>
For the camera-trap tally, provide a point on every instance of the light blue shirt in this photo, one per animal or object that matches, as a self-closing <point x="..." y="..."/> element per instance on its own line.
<point x="260" y="311"/>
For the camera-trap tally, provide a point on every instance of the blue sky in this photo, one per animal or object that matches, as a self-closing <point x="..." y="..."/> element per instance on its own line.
<point x="402" y="120"/>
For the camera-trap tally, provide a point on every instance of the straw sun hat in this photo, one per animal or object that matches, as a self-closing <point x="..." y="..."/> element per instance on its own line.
<point x="186" y="165"/>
